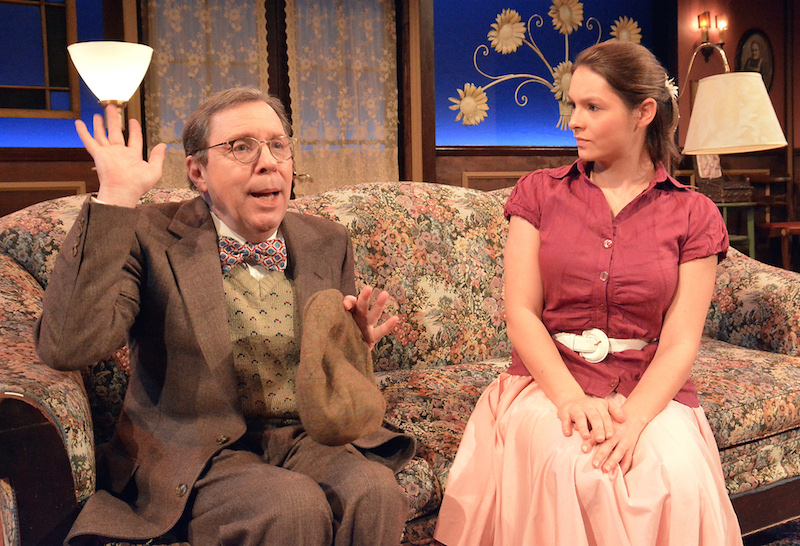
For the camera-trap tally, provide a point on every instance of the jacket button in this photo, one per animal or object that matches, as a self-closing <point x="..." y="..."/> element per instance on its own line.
<point x="181" y="490"/>
<point x="223" y="439"/>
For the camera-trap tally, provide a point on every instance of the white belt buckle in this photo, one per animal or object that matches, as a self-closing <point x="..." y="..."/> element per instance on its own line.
<point x="601" y="345"/>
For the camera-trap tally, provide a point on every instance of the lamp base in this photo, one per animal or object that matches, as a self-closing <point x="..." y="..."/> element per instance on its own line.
<point x="120" y="104"/>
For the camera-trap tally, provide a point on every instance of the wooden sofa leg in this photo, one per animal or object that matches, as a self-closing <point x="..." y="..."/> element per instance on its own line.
<point x="34" y="460"/>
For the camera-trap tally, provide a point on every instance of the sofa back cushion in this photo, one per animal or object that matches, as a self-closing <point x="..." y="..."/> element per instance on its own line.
<point x="438" y="251"/>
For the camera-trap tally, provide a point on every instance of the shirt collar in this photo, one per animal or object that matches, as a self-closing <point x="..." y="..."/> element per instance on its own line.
<point x="223" y="230"/>
<point x="662" y="179"/>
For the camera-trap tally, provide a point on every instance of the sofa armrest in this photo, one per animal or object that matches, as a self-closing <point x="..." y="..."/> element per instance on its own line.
<point x="59" y="397"/>
<point x="35" y="464"/>
<point x="755" y="305"/>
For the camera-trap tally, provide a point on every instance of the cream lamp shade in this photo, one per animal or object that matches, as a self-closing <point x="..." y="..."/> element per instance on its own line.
<point x="732" y="113"/>
<point x="112" y="70"/>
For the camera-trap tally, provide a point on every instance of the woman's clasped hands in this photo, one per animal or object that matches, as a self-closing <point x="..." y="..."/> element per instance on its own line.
<point x="607" y="432"/>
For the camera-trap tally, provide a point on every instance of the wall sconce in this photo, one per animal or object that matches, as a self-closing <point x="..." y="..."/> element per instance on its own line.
<point x="111" y="70"/>
<point x="704" y="22"/>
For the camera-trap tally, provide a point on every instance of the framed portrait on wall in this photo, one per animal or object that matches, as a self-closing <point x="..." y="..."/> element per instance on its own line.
<point x="754" y="54"/>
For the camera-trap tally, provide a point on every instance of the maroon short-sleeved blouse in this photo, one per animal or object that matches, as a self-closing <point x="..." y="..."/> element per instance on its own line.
<point x="617" y="274"/>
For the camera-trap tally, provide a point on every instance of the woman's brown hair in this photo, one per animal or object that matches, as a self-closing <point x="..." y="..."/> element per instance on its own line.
<point x="635" y="74"/>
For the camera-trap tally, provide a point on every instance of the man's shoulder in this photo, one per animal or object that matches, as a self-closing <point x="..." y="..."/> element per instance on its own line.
<point x="185" y="209"/>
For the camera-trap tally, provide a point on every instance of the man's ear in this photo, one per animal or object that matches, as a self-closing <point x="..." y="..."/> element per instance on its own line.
<point x="647" y="112"/>
<point x="196" y="173"/>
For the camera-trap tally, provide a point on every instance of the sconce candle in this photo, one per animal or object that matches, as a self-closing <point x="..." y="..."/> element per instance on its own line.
<point x="721" y="23"/>
<point x="704" y="21"/>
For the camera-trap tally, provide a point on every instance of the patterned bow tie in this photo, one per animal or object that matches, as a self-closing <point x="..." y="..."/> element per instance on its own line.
<point x="271" y="254"/>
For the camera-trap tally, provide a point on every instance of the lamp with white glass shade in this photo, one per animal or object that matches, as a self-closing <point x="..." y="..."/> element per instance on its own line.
<point x="111" y="70"/>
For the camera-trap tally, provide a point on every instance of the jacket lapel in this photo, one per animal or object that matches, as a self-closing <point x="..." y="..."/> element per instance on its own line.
<point x="195" y="264"/>
<point x="307" y="264"/>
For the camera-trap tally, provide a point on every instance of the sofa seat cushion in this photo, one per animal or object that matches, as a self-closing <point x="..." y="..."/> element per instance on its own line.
<point x="434" y="405"/>
<point x="419" y="531"/>
<point x="421" y="486"/>
<point x="761" y="462"/>
<point x="747" y="394"/>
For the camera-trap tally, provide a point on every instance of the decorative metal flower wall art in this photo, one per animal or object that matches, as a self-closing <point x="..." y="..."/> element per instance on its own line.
<point x="509" y="33"/>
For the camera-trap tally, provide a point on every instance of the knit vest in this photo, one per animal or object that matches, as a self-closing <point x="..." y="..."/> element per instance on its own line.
<point x="264" y="327"/>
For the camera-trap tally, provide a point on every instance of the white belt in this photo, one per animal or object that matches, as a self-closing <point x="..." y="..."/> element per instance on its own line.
<point x="594" y="345"/>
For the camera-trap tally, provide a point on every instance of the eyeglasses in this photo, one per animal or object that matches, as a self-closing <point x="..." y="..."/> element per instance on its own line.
<point x="248" y="149"/>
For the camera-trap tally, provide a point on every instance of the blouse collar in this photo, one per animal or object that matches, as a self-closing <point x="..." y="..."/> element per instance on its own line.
<point x="661" y="178"/>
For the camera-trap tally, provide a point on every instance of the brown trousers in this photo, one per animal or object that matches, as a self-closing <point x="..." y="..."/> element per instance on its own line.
<point x="291" y="490"/>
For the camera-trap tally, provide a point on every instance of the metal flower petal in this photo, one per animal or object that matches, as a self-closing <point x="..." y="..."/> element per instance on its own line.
<point x="507" y="32"/>
<point x="562" y="76"/>
<point x="626" y="29"/>
<point x="471" y="104"/>
<point x="567" y="15"/>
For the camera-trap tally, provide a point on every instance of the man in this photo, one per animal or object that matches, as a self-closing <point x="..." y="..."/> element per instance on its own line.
<point x="209" y="448"/>
<point x="754" y="63"/>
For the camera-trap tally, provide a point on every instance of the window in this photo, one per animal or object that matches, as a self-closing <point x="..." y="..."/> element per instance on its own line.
<point x="39" y="83"/>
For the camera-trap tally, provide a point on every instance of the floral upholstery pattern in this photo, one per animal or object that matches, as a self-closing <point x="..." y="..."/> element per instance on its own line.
<point x="9" y="533"/>
<point x="438" y="251"/>
<point x="755" y="306"/>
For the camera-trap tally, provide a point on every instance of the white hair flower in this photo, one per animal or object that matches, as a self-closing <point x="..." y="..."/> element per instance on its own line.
<point x="671" y="87"/>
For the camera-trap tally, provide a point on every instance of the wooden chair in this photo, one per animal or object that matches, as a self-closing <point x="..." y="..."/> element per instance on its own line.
<point x="733" y="195"/>
<point x="786" y="224"/>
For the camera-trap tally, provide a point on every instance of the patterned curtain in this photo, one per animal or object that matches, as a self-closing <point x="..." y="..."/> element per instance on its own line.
<point x="343" y="87"/>
<point x="200" y="48"/>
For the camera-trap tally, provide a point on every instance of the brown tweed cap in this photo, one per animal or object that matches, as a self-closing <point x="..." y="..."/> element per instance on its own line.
<point x="336" y="395"/>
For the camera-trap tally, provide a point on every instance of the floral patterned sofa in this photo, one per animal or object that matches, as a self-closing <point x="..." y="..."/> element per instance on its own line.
<point x="438" y="250"/>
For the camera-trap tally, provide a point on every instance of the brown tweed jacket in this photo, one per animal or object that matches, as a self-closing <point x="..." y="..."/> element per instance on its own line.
<point x="151" y="277"/>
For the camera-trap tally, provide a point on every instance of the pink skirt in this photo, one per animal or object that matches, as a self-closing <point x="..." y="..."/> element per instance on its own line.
<point x="517" y="480"/>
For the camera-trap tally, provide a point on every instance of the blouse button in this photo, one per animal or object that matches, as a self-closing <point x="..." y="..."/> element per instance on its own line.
<point x="608" y="243"/>
<point x="604" y="276"/>
<point x="613" y="383"/>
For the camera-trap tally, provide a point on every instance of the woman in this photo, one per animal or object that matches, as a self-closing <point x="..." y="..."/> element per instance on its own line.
<point x="594" y="435"/>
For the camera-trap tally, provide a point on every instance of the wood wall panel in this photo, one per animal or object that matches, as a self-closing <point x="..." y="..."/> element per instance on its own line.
<point x="24" y="166"/>
<point x="453" y="165"/>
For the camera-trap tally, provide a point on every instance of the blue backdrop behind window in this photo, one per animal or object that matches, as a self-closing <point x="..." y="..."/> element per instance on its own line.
<point x="460" y="26"/>
<point x="52" y="133"/>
